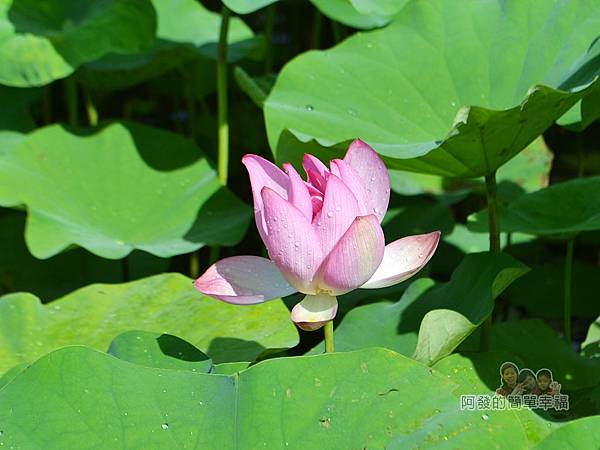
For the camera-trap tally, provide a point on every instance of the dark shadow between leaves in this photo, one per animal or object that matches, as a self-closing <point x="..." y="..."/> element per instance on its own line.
<point x="229" y="349"/>
<point x="222" y="220"/>
<point x="177" y="348"/>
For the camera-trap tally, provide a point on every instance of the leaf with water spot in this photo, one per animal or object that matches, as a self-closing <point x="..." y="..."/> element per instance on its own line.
<point x="406" y="90"/>
<point x="77" y="395"/>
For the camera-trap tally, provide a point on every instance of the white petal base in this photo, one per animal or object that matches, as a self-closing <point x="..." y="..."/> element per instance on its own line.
<point x="314" y="311"/>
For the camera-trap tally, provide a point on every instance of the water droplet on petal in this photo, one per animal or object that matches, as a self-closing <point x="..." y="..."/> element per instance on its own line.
<point x="338" y="208"/>
<point x="275" y="219"/>
<point x="329" y="214"/>
<point x="372" y="178"/>
<point x="308" y="267"/>
<point x="290" y="235"/>
<point x="376" y="210"/>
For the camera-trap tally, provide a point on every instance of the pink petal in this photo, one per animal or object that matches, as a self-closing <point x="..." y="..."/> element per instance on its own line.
<point x="264" y="173"/>
<point x="292" y="243"/>
<point x="403" y="258"/>
<point x="340" y="208"/>
<point x="314" y="311"/>
<point x="316" y="171"/>
<point x="355" y="257"/>
<point x="244" y="280"/>
<point x="369" y="167"/>
<point x="298" y="194"/>
<point x="343" y="170"/>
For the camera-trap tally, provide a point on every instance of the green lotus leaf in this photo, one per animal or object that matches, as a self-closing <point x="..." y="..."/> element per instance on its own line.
<point x="247" y="6"/>
<point x="582" y="433"/>
<point x="118" y="188"/>
<point x="563" y="208"/>
<point x="79" y="398"/>
<point x="98" y="313"/>
<point x="44" y="41"/>
<point x="345" y="12"/>
<point x="417" y="322"/>
<point x="448" y="88"/>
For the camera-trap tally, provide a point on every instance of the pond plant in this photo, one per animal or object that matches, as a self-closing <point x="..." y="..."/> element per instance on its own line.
<point x="452" y="143"/>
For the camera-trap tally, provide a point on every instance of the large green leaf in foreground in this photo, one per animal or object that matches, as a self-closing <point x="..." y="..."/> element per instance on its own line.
<point x="447" y="88"/>
<point x="124" y="187"/>
<point x="168" y="303"/>
<point x="41" y="41"/>
<point x="431" y="319"/>
<point x="77" y="398"/>
<point x="566" y="208"/>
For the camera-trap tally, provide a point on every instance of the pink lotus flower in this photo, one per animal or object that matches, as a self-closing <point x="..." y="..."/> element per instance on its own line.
<point x="323" y="236"/>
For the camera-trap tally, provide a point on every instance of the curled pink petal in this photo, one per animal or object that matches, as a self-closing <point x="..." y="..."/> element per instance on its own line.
<point x="316" y="171"/>
<point x="314" y="311"/>
<point x="355" y="257"/>
<point x="244" y="280"/>
<point x="292" y="242"/>
<point x="298" y="194"/>
<point x="403" y="258"/>
<point x="369" y="168"/>
<point x="339" y="210"/>
<point x="264" y="173"/>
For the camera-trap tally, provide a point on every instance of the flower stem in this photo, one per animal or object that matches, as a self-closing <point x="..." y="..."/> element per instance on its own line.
<point x="568" y="288"/>
<point x="329" y="337"/>
<point x="223" y="130"/>
<point x="494" y="233"/>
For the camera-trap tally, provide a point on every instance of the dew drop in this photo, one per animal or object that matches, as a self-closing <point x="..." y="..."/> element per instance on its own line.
<point x="338" y="208"/>
<point x="372" y="178"/>
<point x="165" y="426"/>
<point x="352" y="112"/>
<point x="485" y="416"/>
<point x="329" y="214"/>
<point x="376" y="210"/>
<point x="296" y="244"/>
<point x="310" y="107"/>
<point x="275" y="219"/>
<point x="309" y="252"/>
<point x="308" y="267"/>
<point x="290" y="235"/>
<point x="319" y="223"/>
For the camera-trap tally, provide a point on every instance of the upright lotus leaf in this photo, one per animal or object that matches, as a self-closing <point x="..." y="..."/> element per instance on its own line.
<point x="185" y="31"/>
<point x="44" y="41"/>
<point x="160" y="350"/>
<point x="448" y="88"/>
<point x="526" y="172"/>
<point x="118" y="188"/>
<point x="79" y="398"/>
<point x="65" y="272"/>
<point x="538" y="346"/>
<point x="565" y="208"/>
<point x="470" y="294"/>
<point x="580" y="116"/>
<point x="98" y="313"/>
